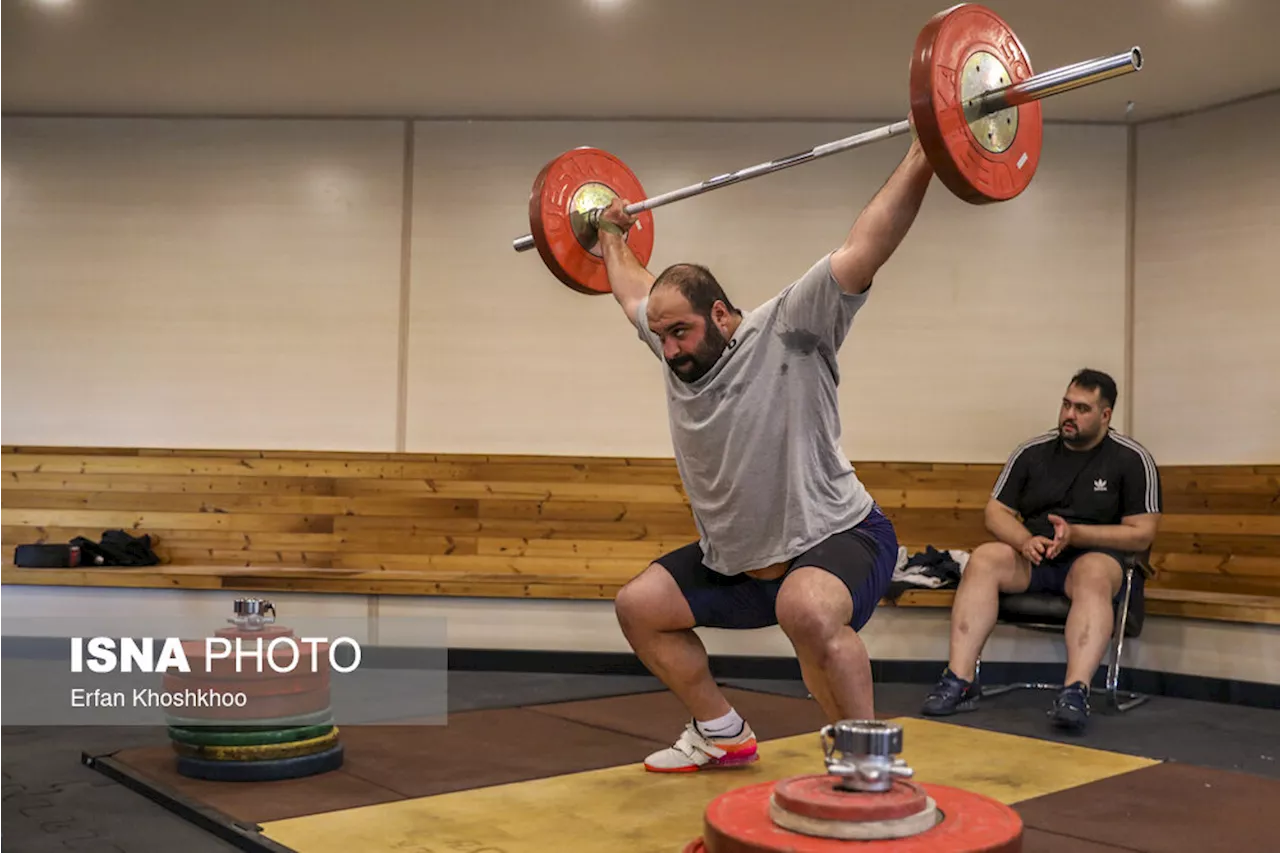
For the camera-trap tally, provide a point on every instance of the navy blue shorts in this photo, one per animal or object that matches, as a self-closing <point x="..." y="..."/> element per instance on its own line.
<point x="863" y="557"/>
<point x="1051" y="575"/>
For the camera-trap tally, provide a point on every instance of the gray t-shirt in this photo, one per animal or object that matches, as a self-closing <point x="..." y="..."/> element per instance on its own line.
<point x="757" y="439"/>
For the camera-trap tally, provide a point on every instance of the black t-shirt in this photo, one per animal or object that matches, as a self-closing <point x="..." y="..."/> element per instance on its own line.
<point x="1044" y="477"/>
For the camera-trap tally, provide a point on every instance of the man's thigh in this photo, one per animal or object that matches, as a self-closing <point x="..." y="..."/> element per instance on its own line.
<point x="1051" y="575"/>
<point x="721" y="601"/>
<point x="863" y="558"/>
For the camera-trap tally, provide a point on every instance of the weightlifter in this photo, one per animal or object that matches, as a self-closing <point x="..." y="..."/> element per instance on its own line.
<point x="788" y="535"/>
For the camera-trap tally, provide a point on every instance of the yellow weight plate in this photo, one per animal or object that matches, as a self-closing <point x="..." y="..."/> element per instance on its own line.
<point x="261" y="752"/>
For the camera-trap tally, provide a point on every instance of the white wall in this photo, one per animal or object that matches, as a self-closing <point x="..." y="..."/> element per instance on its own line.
<point x="984" y="313"/>
<point x="201" y="283"/>
<point x="1207" y="286"/>
<point x="236" y="284"/>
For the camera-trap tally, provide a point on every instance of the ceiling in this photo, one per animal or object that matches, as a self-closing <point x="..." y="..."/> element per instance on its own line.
<point x="701" y="59"/>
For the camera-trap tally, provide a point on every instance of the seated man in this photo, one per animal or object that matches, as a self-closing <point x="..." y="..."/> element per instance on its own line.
<point x="1090" y="500"/>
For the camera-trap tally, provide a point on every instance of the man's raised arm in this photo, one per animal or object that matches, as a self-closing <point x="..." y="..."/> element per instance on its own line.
<point x="628" y="278"/>
<point x="883" y="223"/>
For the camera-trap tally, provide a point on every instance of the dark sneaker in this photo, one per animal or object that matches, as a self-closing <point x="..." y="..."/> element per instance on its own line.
<point x="950" y="695"/>
<point x="1071" y="709"/>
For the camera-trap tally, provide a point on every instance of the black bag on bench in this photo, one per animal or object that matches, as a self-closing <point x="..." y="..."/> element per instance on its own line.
<point x="117" y="548"/>
<point x="46" y="556"/>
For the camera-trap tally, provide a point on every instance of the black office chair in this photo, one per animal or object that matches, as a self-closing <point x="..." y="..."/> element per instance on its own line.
<point x="1048" y="612"/>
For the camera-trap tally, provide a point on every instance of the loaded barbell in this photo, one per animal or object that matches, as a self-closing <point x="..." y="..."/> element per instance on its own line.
<point x="974" y="107"/>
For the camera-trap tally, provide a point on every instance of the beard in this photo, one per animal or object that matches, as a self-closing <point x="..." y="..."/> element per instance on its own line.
<point x="691" y="367"/>
<point x="1072" y="434"/>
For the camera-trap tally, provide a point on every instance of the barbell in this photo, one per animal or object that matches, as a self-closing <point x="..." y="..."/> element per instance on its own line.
<point x="974" y="107"/>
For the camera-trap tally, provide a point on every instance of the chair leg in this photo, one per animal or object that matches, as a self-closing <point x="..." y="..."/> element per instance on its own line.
<point x="1121" y="700"/>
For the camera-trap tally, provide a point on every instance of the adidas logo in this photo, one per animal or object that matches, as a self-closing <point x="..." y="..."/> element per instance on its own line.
<point x="1099" y="485"/>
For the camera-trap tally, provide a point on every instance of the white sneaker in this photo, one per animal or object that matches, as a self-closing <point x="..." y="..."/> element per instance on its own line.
<point x="693" y="751"/>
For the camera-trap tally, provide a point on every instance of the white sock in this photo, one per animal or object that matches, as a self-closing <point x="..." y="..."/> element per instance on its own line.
<point x="727" y="726"/>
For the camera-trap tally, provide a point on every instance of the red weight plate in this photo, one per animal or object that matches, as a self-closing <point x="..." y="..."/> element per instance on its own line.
<point x="577" y="178"/>
<point x="267" y="632"/>
<point x="962" y="52"/>
<point x="819" y="797"/>
<point x="272" y="684"/>
<point x="739" y="822"/>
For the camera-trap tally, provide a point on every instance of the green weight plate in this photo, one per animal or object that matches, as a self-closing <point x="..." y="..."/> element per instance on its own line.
<point x="315" y="718"/>
<point x="261" y="771"/>
<point x="205" y="737"/>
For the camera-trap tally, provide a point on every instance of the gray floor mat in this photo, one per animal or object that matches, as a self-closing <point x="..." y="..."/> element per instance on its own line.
<point x="54" y="803"/>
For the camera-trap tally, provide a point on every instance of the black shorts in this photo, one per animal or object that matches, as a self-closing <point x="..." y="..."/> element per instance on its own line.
<point x="1051" y="575"/>
<point x="863" y="557"/>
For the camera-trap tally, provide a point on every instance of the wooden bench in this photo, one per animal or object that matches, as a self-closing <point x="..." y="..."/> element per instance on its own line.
<point x="537" y="527"/>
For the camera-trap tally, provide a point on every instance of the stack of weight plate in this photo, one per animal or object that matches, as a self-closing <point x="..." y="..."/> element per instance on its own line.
<point x="284" y="729"/>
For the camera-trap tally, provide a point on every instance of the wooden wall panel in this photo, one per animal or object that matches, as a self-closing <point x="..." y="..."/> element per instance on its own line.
<point x="538" y="525"/>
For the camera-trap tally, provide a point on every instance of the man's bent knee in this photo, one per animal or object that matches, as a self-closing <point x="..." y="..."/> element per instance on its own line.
<point x="1094" y="574"/>
<point x="998" y="562"/>
<point x="652" y="599"/>
<point x="813" y="606"/>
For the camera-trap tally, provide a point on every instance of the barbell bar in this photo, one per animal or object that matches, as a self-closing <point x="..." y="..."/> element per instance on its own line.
<point x="1043" y="85"/>
<point x="974" y="105"/>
